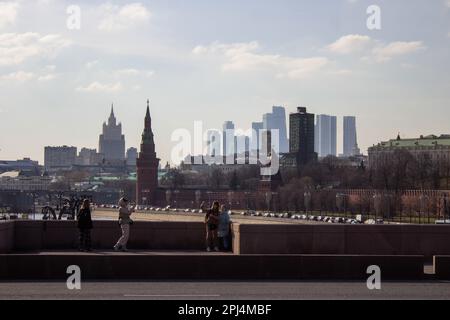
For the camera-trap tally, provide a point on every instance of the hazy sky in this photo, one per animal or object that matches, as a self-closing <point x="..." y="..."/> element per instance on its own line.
<point x="218" y="60"/>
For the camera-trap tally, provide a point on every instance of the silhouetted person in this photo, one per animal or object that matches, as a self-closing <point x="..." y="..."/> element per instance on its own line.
<point x="212" y="224"/>
<point x="85" y="226"/>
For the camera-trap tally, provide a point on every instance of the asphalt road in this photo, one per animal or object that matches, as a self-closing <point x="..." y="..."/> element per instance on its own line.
<point x="225" y="291"/>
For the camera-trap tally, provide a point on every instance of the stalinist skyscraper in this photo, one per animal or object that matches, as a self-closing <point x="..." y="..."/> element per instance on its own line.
<point x="112" y="141"/>
<point x="147" y="165"/>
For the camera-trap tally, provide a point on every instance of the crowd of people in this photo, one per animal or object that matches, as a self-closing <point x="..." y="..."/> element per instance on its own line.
<point x="217" y="221"/>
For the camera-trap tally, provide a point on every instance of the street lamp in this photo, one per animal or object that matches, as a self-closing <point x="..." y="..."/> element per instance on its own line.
<point x="307" y="200"/>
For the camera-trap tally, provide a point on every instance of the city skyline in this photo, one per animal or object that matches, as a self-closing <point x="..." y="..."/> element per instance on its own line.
<point x="56" y="83"/>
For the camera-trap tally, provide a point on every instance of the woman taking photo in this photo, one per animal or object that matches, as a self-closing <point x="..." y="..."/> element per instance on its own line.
<point x="212" y="224"/>
<point x="124" y="222"/>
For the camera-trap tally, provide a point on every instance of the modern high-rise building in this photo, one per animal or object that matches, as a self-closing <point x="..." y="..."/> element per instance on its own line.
<point x="241" y="144"/>
<point x="301" y="142"/>
<point x="147" y="165"/>
<point x="112" y="141"/>
<point x="256" y="132"/>
<point x="59" y="158"/>
<point x="214" y="143"/>
<point x="228" y="138"/>
<point x="350" y="137"/>
<point x="326" y="135"/>
<point x="277" y="121"/>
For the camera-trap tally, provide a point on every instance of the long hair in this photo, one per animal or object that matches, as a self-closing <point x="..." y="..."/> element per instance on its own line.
<point x="215" y="204"/>
<point x="86" y="204"/>
<point x="123" y="202"/>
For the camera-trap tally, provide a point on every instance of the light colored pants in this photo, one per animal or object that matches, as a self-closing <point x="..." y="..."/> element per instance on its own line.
<point x="125" y="236"/>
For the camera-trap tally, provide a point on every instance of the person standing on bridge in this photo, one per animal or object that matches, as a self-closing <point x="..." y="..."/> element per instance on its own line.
<point x="223" y="231"/>
<point x="85" y="226"/>
<point x="124" y="222"/>
<point x="212" y="224"/>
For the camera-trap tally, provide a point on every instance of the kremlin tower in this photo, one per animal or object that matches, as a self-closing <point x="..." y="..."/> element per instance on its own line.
<point x="147" y="165"/>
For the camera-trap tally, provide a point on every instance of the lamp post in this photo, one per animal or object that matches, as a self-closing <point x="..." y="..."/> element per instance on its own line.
<point x="176" y="197"/>
<point x="446" y="209"/>
<point x="268" y="200"/>
<point x="274" y="195"/>
<point x="307" y="199"/>
<point x="422" y="206"/>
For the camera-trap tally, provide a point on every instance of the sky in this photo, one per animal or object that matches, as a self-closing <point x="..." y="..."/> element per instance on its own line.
<point x="212" y="61"/>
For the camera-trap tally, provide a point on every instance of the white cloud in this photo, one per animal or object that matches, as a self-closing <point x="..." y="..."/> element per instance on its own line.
<point x="244" y="57"/>
<point x="373" y="50"/>
<point x="19" y="76"/>
<point x="8" y="13"/>
<point x="100" y="87"/>
<point x="342" y="72"/>
<point x="91" y="64"/>
<point x="447" y="3"/>
<point x="15" y="48"/>
<point x="135" y="73"/>
<point x="394" y="49"/>
<point x="47" y="77"/>
<point x="350" y="44"/>
<point x="117" y="18"/>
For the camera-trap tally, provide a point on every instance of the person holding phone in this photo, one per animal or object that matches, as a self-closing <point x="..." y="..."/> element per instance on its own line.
<point x="124" y="221"/>
<point x="212" y="224"/>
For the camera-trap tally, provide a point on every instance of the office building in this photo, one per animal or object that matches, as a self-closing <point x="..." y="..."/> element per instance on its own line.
<point x="350" y="137"/>
<point x="326" y="135"/>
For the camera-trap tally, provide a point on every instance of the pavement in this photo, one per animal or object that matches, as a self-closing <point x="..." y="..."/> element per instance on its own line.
<point x="110" y="214"/>
<point x="183" y="291"/>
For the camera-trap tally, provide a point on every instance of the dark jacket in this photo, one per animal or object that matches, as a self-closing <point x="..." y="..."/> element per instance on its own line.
<point x="84" y="219"/>
<point x="212" y="217"/>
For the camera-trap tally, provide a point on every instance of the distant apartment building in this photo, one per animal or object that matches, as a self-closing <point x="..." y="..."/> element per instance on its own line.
<point x="350" y="143"/>
<point x="18" y="181"/>
<point x="326" y="135"/>
<point x="301" y="142"/>
<point x="27" y="165"/>
<point x="132" y="154"/>
<point x="436" y="147"/>
<point x="89" y="157"/>
<point x="59" y="158"/>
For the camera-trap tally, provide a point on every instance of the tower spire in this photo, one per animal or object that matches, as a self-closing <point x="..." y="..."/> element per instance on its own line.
<point x="112" y="117"/>
<point x="147" y="165"/>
